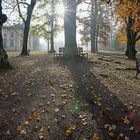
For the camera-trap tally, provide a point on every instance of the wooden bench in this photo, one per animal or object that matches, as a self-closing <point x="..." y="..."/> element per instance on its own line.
<point x="137" y="66"/>
<point x="81" y="52"/>
<point x="59" y="54"/>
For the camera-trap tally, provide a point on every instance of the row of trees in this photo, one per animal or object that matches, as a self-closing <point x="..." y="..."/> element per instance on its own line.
<point x="97" y="28"/>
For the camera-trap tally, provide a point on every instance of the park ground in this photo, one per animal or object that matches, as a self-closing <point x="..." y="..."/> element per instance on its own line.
<point x="91" y="99"/>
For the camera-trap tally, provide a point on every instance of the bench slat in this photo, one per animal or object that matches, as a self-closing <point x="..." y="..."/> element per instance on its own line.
<point x="137" y="66"/>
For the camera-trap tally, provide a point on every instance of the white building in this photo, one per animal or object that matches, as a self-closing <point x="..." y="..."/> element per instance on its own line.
<point x="13" y="39"/>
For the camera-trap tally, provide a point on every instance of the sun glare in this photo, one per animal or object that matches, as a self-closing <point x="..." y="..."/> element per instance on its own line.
<point x="60" y="9"/>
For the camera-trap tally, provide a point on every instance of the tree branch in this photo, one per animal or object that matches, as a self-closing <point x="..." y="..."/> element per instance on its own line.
<point x="19" y="10"/>
<point x="138" y="38"/>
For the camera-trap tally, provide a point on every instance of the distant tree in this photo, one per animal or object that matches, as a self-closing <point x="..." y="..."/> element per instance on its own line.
<point x="3" y="55"/>
<point x="26" y="21"/>
<point x="52" y="25"/>
<point x="96" y="27"/>
<point x="48" y="27"/>
<point x="93" y="24"/>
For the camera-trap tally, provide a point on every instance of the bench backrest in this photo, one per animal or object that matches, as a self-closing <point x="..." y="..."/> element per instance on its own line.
<point x="80" y="50"/>
<point x="138" y="64"/>
<point x="61" y="50"/>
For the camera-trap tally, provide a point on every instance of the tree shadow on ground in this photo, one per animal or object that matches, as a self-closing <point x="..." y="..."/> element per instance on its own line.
<point x="105" y="107"/>
<point x="21" y="93"/>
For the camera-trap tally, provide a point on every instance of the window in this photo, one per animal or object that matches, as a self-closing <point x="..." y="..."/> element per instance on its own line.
<point x="12" y="34"/>
<point x="21" y="35"/>
<point x="4" y="43"/>
<point x="11" y="43"/>
<point x="4" y="35"/>
<point x="21" y="42"/>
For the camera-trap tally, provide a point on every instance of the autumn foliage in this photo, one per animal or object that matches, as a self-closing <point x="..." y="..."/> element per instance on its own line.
<point x="125" y="9"/>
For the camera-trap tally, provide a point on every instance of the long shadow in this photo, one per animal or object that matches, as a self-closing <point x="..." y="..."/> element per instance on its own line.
<point x="16" y="108"/>
<point x="104" y="105"/>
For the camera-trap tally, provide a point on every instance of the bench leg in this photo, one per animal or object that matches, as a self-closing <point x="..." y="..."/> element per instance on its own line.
<point x="137" y="74"/>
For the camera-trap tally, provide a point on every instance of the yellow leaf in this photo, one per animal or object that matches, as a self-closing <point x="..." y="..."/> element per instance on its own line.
<point x="19" y="128"/>
<point x="95" y="137"/>
<point x="41" y="129"/>
<point x="126" y="138"/>
<point x="29" y="94"/>
<point x="106" y="125"/>
<point x="126" y="121"/>
<point x="111" y="134"/>
<point x="68" y="131"/>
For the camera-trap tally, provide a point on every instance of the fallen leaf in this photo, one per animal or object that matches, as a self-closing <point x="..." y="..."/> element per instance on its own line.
<point x="29" y="94"/>
<point x="23" y="132"/>
<point x="14" y="93"/>
<point x="112" y="127"/>
<point x="106" y="125"/>
<point x="63" y="116"/>
<point x="68" y="131"/>
<point x="111" y="134"/>
<point x="49" y="128"/>
<point x="131" y="115"/>
<point x="57" y="110"/>
<point x="41" y="129"/>
<point x="126" y="138"/>
<point x="84" y="123"/>
<point x="19" y="128"/>
<point x="26" y="122"/>
<point x="40" y="136"/>
<point x="48" y="103"/>
<point x="8" y="132"/>
<point x="126" y="121"/>
<point x="95" y="137"/>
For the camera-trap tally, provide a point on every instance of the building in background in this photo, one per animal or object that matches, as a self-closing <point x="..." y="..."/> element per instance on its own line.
<point x="13" y="39"/>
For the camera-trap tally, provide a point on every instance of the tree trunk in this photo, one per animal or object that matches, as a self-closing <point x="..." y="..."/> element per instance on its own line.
<point x="27" y="27"/>
<point x="131" y="37"/>
<point x="93" y="25"/>
<point x="52" y="27"/>
<point x="96" y="39"/>
<point x="3" y="55"/>
<point x="130" y="51"/>
<point x="70" y="27"/>
<point x="48" y="41"/>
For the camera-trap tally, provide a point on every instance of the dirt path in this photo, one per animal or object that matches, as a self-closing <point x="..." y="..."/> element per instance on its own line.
<point x="55" y="100"/>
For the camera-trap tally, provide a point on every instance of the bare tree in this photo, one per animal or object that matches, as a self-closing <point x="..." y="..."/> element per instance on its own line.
<point x="26" y="22"/>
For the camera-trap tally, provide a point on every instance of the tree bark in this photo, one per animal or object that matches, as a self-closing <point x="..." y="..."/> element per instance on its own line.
<point x="93" y="25"/>
<point x="70" y="27"/>
<point x="3" y="55"/>
<point x="48" y="42"/>
<point x="27" y="27"/>
<point x="52" y="27"/>
<point x="96" y="39"/>
<point x="131" y="40"/>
